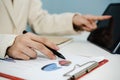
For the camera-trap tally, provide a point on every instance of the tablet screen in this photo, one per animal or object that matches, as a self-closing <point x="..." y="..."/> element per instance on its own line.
<point x="107" y="35"/>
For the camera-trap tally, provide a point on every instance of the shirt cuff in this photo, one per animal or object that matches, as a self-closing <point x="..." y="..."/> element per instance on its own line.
<point x="6" y="40"/>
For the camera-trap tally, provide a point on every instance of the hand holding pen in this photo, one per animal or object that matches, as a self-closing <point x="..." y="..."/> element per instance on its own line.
<point x="55" y="52"/>
<point x="24" y="47"/>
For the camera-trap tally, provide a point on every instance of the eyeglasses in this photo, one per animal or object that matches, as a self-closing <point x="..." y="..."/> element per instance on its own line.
<point x="87" y="67"/>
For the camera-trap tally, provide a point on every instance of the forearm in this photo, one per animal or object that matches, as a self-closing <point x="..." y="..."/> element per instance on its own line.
<point x="44" y="23"/>
<point x="55" y="24"/>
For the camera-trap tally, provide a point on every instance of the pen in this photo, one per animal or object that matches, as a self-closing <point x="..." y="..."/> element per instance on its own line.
<point x="54" y="51"/>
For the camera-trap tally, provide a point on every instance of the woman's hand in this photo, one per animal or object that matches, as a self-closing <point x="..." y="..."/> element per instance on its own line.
<point x="25" y="45"/>
<point x="87" y="22"/>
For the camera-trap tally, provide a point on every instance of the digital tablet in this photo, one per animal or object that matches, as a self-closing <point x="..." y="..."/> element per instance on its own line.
<point x="107" y="35"/>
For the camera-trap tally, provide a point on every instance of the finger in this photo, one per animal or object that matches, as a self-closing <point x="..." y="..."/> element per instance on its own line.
<point x="21" y="56"/>
<point x="91" y="17"/>
<point x="44" y="41"/>
<point x="29" y="52"/>
<point x="85" y="22"/>
<point x="94" y="26"/>
<point x="40" y="47"/>
<point x="48" y="53"/>
<point x="87" y="29"/>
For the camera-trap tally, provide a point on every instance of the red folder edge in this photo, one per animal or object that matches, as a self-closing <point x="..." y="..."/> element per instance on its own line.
<point x="101" y="63"/>
<point x="17" y="78"/>
<point x="7" y="76"/>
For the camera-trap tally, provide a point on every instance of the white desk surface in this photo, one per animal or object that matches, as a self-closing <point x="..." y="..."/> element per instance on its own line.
<point x="109" y="71"/>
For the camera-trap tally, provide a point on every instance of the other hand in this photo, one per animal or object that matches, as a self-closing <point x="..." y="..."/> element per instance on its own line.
<point x="87" y="22"/>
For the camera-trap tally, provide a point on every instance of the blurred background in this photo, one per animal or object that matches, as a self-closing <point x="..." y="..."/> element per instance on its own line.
<point x="95" y="7"/>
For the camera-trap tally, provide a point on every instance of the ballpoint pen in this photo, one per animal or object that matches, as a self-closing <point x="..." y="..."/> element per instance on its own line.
<point x="54" y="51"/>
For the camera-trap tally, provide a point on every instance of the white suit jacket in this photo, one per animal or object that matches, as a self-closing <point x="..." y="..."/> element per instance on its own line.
<point x="15" y="16"/>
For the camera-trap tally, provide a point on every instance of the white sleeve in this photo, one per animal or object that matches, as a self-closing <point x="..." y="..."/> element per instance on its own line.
<point x="44" y="23"/>
<point x="6" y="40"/>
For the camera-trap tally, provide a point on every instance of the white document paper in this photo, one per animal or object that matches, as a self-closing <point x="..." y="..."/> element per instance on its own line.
<point x="31" y="69"/>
